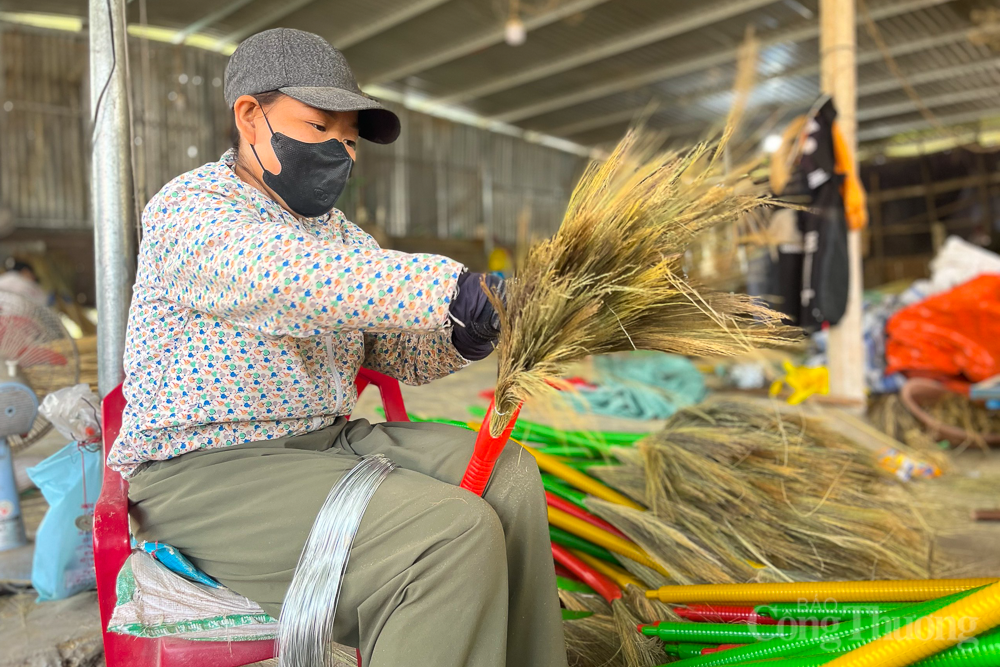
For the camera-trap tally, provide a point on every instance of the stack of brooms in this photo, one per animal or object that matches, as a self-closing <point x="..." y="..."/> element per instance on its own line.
<point x="730" y="491"/>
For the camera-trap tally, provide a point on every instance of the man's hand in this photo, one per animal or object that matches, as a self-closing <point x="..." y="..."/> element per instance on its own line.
<point x="476" y="324"/>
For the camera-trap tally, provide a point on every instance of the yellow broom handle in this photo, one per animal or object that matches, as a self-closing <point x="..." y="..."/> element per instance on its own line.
<point x="916" y="590"/>
<point x="590" y="532"/>
<point x="931" y="634"/>
<point x="580" y="480"/>
<point x="615" y="574"/>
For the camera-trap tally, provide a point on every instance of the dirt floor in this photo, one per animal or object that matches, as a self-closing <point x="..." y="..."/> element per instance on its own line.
<point x="66" y="633"/>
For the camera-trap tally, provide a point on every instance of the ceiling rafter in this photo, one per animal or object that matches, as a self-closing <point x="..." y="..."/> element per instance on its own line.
<point x="484" y="40"/>
<point x="658" y="32"/>
<point x="619" y="84"/>
<point x="865" y="57"/>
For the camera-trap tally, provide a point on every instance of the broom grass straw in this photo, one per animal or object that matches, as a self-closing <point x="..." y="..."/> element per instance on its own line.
<point x="733" y="485"/>
<point x="612" y="277"/>
<point x="636" y="648"/>
<point x="593" y="642"/>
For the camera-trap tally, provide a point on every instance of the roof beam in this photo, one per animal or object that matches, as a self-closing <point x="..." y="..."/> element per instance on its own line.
<point x="890" y="83"/>
<point x="946" y="99"/>
<point x="588" y="124"/>
<point x="928" y="76"/>
<point x="484" y="40"/>
<point x="619" y="84"/>
<point x="265" y="21"/>
<point x="669" y="27"/>
<point x="865" y="57"/>
<point x="210" y="19"/>
<point x="892" y="129"/>
<point x="394" y="18"/>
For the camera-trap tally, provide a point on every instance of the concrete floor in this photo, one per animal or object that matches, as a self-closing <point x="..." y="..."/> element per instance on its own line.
<point x="66" y="633"/>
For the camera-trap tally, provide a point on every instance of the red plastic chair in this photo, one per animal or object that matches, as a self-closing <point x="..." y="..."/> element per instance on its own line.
<point x="112" y="546"/>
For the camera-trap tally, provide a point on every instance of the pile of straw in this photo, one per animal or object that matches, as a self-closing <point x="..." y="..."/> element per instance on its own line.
<point x="739" y="492"/>
<point x="888" y="414"/>
<point x="970" y="416"/>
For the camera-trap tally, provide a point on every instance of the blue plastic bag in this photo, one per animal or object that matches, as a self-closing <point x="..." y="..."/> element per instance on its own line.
<point x="70" y="480"/>
<point x="175" y="561"/>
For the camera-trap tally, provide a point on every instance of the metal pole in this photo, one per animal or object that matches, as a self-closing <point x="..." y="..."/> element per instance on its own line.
<point x="111" y="202"/>
<point x="399" y="224"/>
<point x="838" y="58"/>
<point x="486" y="176"/>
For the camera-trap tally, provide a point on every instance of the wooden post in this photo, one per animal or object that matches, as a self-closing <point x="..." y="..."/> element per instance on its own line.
<point x="838" y="52"/>
<point x="877" y="229"/>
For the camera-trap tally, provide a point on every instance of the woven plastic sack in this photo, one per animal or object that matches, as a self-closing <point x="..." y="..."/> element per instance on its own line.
<point x="152" y="601"/>
<point x="954" y="335"/>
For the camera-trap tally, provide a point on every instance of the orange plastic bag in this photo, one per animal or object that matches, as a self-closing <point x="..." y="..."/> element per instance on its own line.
<point x="953" y="335"/>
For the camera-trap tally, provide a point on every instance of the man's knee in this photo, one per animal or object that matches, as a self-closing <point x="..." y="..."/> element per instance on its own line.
<point x="517" y="469"/>
<point x="475" y="535"/>
<point x="468" y="515"/>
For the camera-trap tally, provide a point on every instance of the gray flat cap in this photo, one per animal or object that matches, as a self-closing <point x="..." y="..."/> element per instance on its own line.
<point x="306" y="67"/>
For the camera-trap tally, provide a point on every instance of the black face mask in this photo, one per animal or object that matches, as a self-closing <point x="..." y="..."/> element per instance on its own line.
<point x="313" y="176"/>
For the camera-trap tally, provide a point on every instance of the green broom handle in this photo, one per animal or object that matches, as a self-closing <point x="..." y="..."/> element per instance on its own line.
<point x="983" y="651"/>
<point x="786" y="647"/>
<point x="536" y="432"/>
<point x="568" y="451"/>
<point x="557" y="487"/>
<point x="823" y="611"/>
<point x="570" y="541"/>
<point x="573" y="586"/>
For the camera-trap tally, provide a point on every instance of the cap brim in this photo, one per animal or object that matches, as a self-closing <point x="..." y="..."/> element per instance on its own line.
<point x="375" y="123"/>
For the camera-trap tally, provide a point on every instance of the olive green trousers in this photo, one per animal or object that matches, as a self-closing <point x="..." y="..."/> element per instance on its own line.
<point x="437" y="577"/>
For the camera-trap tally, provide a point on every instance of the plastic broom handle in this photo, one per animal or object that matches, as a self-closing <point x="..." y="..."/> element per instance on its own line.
<point x="612" y="572"/>
<point x="588" y="575"/>
<point x="603" y="538"/>
<point x="820" y="636"/>
<point x="557" y="487"/>
<point x="486" y="453"/>
<point x="841" y="591"/>
<point x="930" y="634"/>
<point x="983" y="652"/>
<point x="723" y="614"/>
<point x="566" y="506"/>
<point x="571" y="541"/>
<point x="580" y="480"/>
<point x="718" y="633"/>
<point x="821" y="612"/>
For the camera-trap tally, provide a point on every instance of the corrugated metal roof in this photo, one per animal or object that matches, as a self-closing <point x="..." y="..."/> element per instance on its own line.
<point x="451" y="47"/>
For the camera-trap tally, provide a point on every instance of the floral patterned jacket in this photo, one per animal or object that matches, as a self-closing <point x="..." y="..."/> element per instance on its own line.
<point x="248" y="323"/>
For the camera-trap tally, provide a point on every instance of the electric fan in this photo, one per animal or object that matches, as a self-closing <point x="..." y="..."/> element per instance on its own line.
<point x="37" y="356"/>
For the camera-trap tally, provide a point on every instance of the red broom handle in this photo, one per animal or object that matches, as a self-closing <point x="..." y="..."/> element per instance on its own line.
<point x="720" y="648"/>
<point x="606" y="588"/>
<point x="486" y="453"/>
<point x="723" y="614"/>
<point x="580" y="513"/>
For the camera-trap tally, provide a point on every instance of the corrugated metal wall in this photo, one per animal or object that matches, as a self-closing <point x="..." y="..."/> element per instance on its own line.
<point x="442" y="179"/>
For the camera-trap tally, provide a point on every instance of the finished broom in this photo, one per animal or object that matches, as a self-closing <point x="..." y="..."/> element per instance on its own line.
<point x="612" y="278"/>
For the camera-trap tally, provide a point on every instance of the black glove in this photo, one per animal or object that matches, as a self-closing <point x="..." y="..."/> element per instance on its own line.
<point x="475" y="323"/>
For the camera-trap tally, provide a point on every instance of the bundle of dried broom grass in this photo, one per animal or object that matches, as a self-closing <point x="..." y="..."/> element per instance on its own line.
<point x="739" y="491"/>
<point x="888" y="414"/>
<point x="612" y="277"/>
<point x="593" y="642"/>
